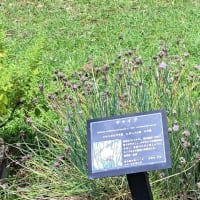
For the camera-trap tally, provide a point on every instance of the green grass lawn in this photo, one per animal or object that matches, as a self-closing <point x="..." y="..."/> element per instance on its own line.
<point x="73" y="30"/>
<point x="49" y="37"/>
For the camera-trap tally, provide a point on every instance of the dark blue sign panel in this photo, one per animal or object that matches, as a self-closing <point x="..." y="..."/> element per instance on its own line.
<point x="128" y="144"/>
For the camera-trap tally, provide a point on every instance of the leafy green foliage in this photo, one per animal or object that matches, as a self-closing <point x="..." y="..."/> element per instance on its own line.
<point x="127" y="85"/>
<point x="20" y="80"/>
<point x="3" y="97"/>
<point x="20" y="95"/>
<point x="43" y="35"/>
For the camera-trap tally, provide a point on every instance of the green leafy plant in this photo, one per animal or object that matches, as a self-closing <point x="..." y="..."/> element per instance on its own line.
<point x="19" y="82"/>
<point x="127" y="85"/>
<point x="60" y="34"/>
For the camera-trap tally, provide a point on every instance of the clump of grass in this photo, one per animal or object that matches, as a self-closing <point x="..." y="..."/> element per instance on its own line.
<point x="57" y="168"/>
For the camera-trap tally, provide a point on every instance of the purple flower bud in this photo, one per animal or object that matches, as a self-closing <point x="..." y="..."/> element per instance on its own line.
<point x="66" y="129"/>
<point x="175" y="128"/>
<point x="197" y="156"/>
<point x="182" y="160"/>
<point x="163" y="65"/>
<point x="56" y="164"/>
<point x="186" y="144"/>
<point x="29" y="120"/>
<point x="186" y="133"/>
<point x="67" y="150"/>
<point x="197" y="67"/>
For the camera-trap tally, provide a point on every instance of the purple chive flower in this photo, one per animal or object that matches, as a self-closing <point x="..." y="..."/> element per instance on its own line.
<point x="182" y="160"/>
<point x="175" y="128"/>
<point x="186" y="133"/>
<point x="186" y="144"/>
<point x="163" y="65"/>
<point x="66" y="129"/>
<point x="197" y="67"/>
<point x="29" y="120"/>
<point x="197" y="157"/>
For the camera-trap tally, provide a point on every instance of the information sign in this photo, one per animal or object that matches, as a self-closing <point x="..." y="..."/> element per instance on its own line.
<point x="128" y="144"/>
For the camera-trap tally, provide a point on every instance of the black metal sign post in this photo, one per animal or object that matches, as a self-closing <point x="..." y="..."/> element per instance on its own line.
<point x="139" y="186"/>
<point x="131" y="145"/>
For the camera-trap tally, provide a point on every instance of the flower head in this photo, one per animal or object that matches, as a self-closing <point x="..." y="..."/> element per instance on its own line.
<point x="186" y="144"/>
<point x="182" y="160"/>
<point x="186" y="133"/>
<point x="197" y="156"/>
<point x="175" y="128"/>
<point x="163" y="65"/>
<point x="197" y="67"/>
<point x="66" y="129"/>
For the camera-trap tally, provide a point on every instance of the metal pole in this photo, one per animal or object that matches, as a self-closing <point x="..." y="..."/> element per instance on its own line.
<point x="139" y="186"/>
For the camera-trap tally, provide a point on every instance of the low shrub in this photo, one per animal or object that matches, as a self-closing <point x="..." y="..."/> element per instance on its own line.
<point x="19" y="93"/>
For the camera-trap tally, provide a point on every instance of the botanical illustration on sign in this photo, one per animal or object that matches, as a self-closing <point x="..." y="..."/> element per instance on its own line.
<point x="107" y="154"/>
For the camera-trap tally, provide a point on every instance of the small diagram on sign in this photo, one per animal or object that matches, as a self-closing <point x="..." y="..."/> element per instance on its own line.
<point x="107" y="155"/>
